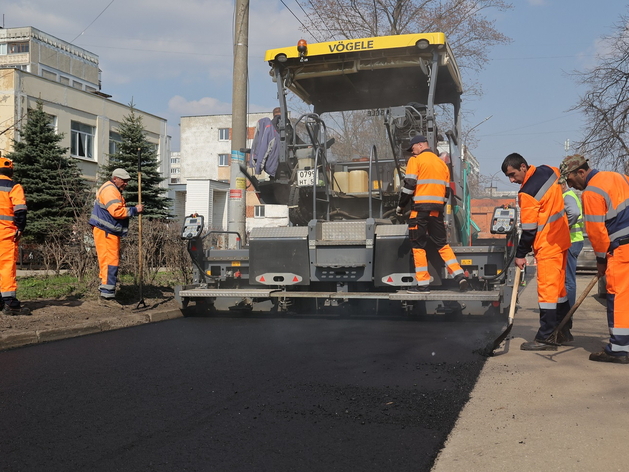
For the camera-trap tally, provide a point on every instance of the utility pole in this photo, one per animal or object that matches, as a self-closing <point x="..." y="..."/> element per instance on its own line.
<point x="237" y="182"/>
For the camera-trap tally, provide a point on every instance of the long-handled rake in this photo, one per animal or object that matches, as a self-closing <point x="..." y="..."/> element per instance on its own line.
<point x="552" y="339"/>
<point x="514" y="297"/>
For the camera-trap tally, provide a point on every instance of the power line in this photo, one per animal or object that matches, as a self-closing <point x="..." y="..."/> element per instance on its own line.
<point x="304" y="26"/>
<point x="112" y="1"/>
<point x="307" y="15"/>
<point x="322" y="20"/>
<point x="161" y="51"/>
<point x="53" y="52"/>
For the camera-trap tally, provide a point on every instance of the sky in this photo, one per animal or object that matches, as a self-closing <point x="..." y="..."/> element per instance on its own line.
<point x="175" y="59"/>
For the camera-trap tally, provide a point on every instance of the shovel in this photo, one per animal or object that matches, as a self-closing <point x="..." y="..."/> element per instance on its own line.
<point x="514" y="297"/>
<point x="552" y="339"/>
<point x="141" y="303"/>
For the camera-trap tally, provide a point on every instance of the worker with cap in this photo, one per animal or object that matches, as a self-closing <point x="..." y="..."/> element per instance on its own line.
<point x="545" y="230"/>
<point x="110" y="220"/>
<point x="427" y="183"/>
<point x="12" y="225"/>
<point x="606" y="214"/>
<point x="574" y="213"/>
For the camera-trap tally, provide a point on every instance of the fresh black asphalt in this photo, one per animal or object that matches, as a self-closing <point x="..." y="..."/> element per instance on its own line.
<point x="234" y="392"/>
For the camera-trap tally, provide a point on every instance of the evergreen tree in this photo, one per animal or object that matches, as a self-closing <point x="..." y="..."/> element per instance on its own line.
<point x="131" y="130"/>
<point x="55" y="191"/>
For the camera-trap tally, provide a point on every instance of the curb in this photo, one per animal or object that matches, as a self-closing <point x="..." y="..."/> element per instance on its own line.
<point x="13" y="341"/>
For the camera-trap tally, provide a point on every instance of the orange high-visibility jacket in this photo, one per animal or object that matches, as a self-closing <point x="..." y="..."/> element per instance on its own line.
<point x="110" y="212"/>
<point x="542" y="214"/>
<point x="605" y="201"/>
<point x="427" y="180"/>
<point x="12" y="206"/>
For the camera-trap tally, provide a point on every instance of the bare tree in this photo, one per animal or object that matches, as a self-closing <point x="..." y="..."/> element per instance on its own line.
<point x="356" y="132"/>
<point x="470" y="32"/>
<point x="55" y="252"/>
<point x="606" y="102"/>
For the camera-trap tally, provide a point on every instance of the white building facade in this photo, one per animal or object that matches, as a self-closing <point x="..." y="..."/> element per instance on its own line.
<point x="204" y="171"/>
<point x="36" y="66"/>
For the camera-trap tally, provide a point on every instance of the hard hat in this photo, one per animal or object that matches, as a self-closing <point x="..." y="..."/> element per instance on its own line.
<point x="4" y="162"/>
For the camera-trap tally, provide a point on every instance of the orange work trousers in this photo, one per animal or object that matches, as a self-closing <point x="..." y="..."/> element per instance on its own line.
<point x="424" y="225"/>
<point x="551" y="291"/>
<point x="8" y="262"/>
<point x="108" y="250"/>
<point x="617" y="275"/>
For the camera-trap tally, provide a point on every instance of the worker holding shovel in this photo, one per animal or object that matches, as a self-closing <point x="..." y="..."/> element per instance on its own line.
<point x="545" y="230"/>
<point x="606" y="210"/>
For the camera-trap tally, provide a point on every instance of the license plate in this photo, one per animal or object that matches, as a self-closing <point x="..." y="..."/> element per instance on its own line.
<point x="466" y="261"/>
<point x="305" y="178"/>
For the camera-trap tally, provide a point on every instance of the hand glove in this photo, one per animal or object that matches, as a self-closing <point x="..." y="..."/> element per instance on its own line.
<point x="399" y="211"/>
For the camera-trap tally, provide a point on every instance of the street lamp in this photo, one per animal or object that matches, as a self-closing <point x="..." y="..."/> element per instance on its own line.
<point x="491" y="187"/>
<point x="466" y="198"/>
<point x="468" y="133"/>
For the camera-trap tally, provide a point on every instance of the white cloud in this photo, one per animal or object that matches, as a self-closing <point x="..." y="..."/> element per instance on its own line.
<point x="204" y="106"/>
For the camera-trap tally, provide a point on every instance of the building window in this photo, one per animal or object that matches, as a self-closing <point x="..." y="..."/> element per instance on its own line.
<point x="82" y="140"/>
<point x="258" y="211"/>
<point x="223" y="134"/>
<point x="223" y="160"/>
<point x="3" y="49"/>
<point x="174" y="180"/>
<point x="115" y="142"/>
<point x="175" y="160"/>
<point x="64" y="80"/>
<point x="18" y="48"/>
<point x="175" y="170"/>
<point x="46" y="74"/>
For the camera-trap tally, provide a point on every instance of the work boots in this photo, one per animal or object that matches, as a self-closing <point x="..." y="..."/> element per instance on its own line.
<point x="463" y="283"/>
<point x="604" y="357"/>
<point x="537" y="345"/>
<point x="564" y="337"/>
<point x="15" y="311"/>
<point x="419" y="289"/>
<point x="109" y="302"/>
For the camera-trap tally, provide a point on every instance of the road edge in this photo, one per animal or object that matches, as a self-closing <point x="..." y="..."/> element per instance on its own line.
<point x="13" y="341"/>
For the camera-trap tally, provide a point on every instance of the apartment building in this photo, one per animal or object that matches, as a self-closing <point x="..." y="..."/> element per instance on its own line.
<point x="66" y="78"/>
<point x="200" y="182"/>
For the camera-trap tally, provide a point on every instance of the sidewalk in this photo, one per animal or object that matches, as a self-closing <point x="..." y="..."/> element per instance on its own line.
<point x="550" y="411"/>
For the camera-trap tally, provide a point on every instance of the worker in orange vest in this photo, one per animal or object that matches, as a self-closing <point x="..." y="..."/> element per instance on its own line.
<point x="606" y="208"/>
<point x="12" y="225"/>
<point x="110" y="220"/>
<point x="544" y="229"/>
<point x="427" y="183"/>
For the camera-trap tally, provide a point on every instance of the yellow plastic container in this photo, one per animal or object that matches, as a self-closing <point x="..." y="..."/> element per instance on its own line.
<point x="358" y="181"/>
<point x="341" y="182"/>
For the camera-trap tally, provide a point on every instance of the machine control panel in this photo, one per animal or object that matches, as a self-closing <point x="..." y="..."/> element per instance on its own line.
<point x="192" y="227"/>
<point x="503" y="221"/>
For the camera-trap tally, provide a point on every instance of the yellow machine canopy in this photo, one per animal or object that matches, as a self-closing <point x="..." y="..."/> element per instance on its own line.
<point x="369" y="73"/>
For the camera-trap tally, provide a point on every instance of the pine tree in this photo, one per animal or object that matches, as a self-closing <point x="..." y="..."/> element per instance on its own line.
<point x="52" y="182"/>
<point x="131" y="130"/>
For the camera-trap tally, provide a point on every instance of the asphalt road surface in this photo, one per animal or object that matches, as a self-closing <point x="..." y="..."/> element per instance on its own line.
<point x="242" y="393"/>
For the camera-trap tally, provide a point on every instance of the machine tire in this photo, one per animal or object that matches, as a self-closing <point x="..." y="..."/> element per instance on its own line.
<point x="297" y="210"/>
